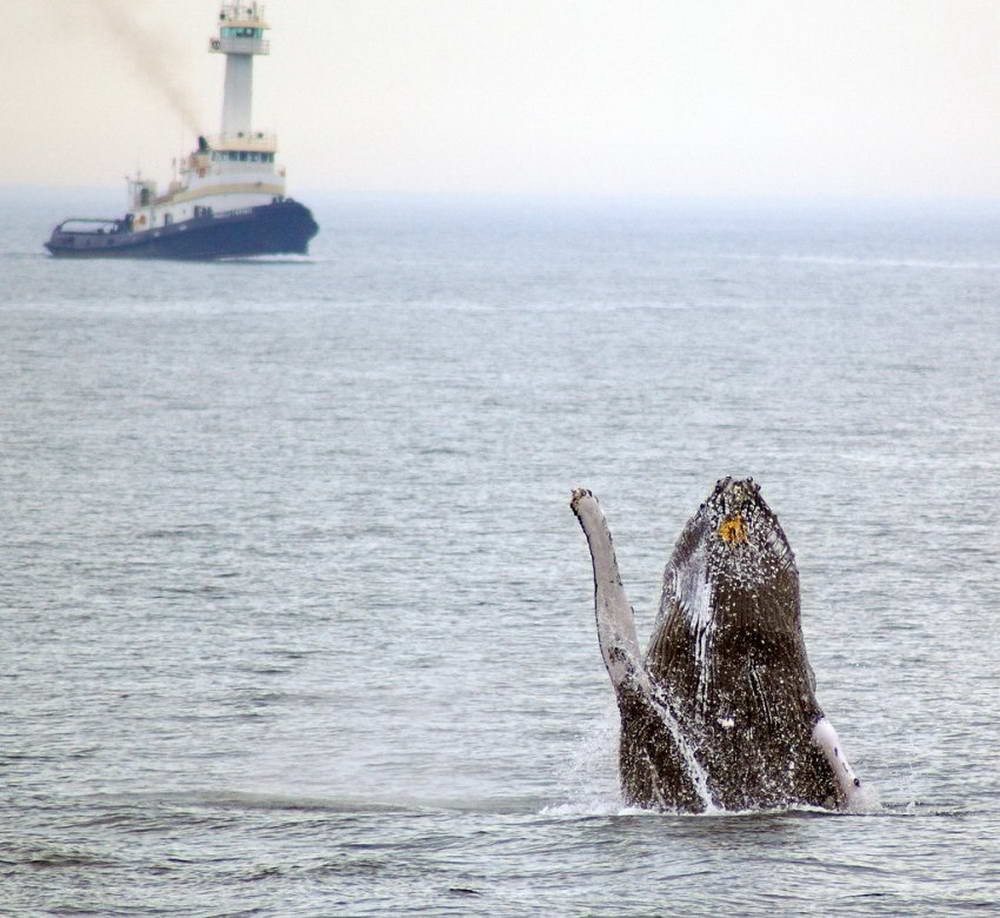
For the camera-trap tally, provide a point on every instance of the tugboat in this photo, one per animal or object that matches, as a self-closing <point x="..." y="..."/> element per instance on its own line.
<point x="228" y="199"/>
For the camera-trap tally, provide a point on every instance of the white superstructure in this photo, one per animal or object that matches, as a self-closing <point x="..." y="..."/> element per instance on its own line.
<point x="241" y="36"/>
<point x="235" y="169"/>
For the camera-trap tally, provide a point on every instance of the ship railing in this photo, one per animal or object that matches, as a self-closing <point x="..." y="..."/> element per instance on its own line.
<point x="101" y="225"/>
<point x="243" y="12"/>
<point x="261" y="141"/>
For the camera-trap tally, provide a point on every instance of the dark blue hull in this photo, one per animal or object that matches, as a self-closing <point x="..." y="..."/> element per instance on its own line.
<point x="270" y="229"/>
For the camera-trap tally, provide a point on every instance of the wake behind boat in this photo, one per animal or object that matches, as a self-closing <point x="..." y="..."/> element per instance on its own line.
<point x="228" y="199"/>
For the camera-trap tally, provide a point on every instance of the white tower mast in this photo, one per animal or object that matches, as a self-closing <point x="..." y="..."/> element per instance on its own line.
<point x="241" y="36"/>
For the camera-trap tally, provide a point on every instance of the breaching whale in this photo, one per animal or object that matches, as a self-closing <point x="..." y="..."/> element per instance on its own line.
<point x="721" y="711"/>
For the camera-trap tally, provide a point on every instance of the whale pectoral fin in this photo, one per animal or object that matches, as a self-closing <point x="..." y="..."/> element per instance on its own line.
<point x="615" y="618"/>
<point x="849" y="790"/>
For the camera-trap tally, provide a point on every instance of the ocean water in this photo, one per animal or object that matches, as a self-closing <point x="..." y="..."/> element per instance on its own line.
<point x="296" y="619"/>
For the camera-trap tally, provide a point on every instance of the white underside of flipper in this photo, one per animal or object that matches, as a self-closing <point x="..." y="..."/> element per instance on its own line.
<point x="615" y="619"/>
<point x="825" y="736"/>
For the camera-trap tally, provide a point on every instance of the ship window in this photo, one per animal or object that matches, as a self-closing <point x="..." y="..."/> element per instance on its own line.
<point x="243" y="156"/>
<point x="253" y="157"/>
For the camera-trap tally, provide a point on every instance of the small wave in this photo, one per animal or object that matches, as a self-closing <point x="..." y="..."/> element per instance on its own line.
<point x="920" y="808"/>
<point x="266" y="802"/>
<point x="194" y="530"/>
<point x="55" y="859"/>
<point x="23" y="256"/>
<point x="859" y="262"/>
<point x="604" y="807"/>
<point x="271" y="260"/>
<point x="581" y="809"/>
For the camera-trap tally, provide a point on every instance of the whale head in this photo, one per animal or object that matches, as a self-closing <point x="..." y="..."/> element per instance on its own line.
<point x="742" y="539"/>
<point x="732" y="573"/>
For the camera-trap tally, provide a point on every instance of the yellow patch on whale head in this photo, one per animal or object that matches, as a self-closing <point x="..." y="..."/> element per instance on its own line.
<point x="732" y="529"/>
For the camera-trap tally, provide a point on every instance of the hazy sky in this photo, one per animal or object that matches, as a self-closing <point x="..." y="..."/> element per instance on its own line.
<point x="790" y="98"/>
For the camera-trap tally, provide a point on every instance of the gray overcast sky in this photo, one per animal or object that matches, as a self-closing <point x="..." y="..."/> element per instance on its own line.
<point x="792" y="98"/>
